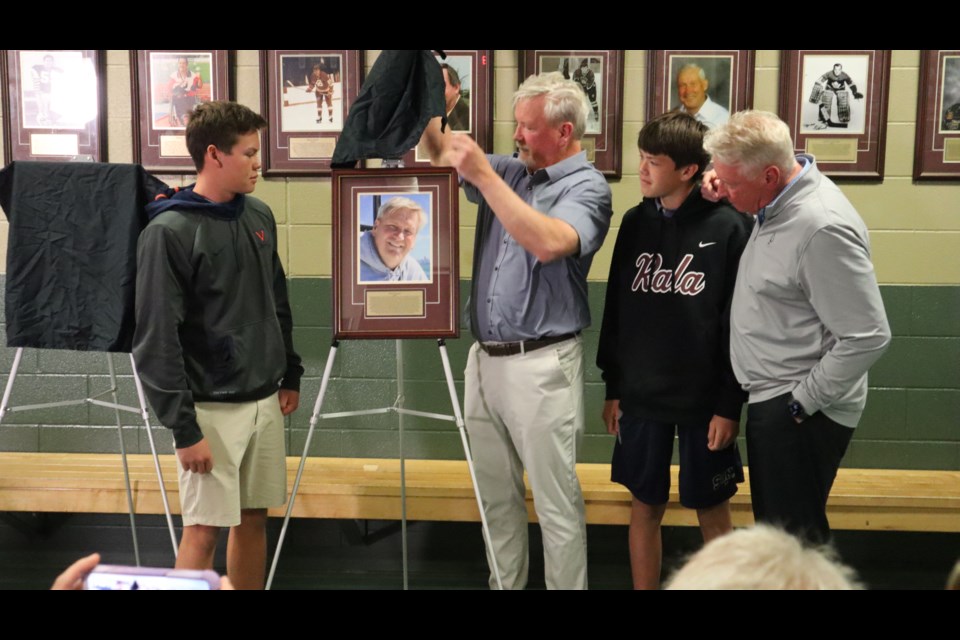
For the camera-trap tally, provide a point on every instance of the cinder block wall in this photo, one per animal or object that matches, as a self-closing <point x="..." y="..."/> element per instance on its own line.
<point x="913" y="413"/>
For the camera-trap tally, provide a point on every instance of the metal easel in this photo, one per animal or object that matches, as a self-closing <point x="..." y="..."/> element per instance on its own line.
<point x="398" y="408"/>
<point x="117" y="408"/>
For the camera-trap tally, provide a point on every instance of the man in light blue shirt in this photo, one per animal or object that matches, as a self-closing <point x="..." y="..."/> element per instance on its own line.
<point x="542" y="217"/>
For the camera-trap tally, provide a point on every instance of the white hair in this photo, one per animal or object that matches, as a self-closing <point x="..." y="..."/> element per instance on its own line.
<point x="763" y="557"/>
<point x="753" y="140"/>
<point x="399" y="203"/>
<point x="692" y="67"/>
<point x="564" y="100"/>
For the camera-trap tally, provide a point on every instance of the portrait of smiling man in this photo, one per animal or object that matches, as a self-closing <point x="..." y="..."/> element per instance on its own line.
<point x="385" y="249"/>
<point x="692" y="86"/>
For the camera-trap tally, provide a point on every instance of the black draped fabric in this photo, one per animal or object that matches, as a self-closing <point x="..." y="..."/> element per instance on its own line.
<point x="402" y="93"/>
<point x="72" y="252"/>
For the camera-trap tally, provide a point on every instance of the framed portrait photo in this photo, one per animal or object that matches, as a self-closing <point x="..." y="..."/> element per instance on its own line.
<point x="937" y="154"/>
<point x="53" y="102"/>
<point x="600" y="74"/>
<point x="710" y="85"/>
<point x="395" y="253"/>
<point x="305" y="96"/>
<point x="167" y="85"/>
<point x="468" y="91"/>
<point x="835" y="103"/>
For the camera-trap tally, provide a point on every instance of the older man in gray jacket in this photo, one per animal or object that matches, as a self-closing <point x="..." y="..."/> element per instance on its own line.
<point x="807" y="320"/>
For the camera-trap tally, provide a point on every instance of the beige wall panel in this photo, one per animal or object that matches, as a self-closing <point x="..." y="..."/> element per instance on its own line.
<point x="310" y="250"/>
<point x="905" y="58"/>
<point x="904" y="85"/>
<point x="274" y="193"/>
<point x="767" y="58"/>
<point x="766" y="89"/>
<point x="309" y="201"/>
<point x="922" y="257"/>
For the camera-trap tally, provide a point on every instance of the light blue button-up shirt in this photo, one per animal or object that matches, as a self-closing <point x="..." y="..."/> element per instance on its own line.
<point x="515" y="296"/>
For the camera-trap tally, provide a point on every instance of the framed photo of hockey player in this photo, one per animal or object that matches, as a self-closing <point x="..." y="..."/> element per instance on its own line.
<point x="600" y="74"/>
<point x="396" y="253"/>
<point x="53" y="105"/>
<point x="709" y="85"/>
<point x="835" y="103"/>
<point x="468" y="93"/>
<point x="937" y="154"/>
<point x="305" y="96"/>
<point x="167" y="85"/>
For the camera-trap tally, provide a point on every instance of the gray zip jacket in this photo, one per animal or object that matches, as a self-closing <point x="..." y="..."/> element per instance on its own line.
<point x="807" y="316"/>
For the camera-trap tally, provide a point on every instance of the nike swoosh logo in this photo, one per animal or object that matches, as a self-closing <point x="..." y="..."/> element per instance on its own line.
<point x="706" y="244"/>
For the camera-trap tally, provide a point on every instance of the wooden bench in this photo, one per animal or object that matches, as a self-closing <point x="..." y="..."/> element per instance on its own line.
<point x="353" y="488"/>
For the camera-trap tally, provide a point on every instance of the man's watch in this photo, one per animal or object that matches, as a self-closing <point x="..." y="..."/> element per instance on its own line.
<point x="796" y="409"/>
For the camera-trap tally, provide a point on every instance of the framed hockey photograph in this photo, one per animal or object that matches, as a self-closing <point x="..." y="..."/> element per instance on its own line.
<point x="305" y="96"/>
<point x="600" y="74"/>
<point x="709" y="85"/>
<point x="468" y="92"/>
<point x="937" y="153"/>
<point x="395" y="253"/>
<point x="835" y="103"/>
<point x="53" y="105"/>
<point x="167" y="85"/>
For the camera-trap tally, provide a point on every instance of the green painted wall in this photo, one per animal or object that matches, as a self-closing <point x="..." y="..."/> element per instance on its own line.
<point x="911" y="421"/>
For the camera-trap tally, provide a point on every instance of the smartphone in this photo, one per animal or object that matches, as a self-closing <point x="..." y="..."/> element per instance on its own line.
<point x="111" y="577"/>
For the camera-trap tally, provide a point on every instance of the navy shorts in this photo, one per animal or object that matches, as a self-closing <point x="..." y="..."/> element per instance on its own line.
<point x="641" y="463"/>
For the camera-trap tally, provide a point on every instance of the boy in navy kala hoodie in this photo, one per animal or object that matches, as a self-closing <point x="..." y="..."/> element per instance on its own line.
<point x="214" y="345"/>
<point x="664" y="343"/>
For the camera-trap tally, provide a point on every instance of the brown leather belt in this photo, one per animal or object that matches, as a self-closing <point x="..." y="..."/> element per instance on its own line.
<point x="500" y="349"/>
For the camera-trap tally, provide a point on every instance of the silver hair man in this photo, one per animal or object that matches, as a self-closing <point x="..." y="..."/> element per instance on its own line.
<point x="564" y="100"/>
<point x="752" y="140"/>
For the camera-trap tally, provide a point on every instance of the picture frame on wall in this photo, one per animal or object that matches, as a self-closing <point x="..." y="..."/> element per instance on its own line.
<point x="395" y="253"/>
<point x="469" y="99"/>
<point x="167" y="85"/>
<point x="937" y="151"/>
<point x="710" y="85"/>
<point x="835" y="103"/>
<point x="53" y="103"/>
<point x="600" y="74"/>
<point x="305" y="95"/>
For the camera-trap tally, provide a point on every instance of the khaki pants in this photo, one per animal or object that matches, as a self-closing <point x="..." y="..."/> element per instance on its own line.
<point x="526" y="412"/>
<point x="246" y="440"/>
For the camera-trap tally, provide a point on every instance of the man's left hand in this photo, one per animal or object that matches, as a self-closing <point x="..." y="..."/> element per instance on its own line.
<point x="722" y="433"/>
<point x="289" y="401"/>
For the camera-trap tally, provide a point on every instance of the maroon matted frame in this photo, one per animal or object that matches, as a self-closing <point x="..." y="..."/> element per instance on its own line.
<point x="729" y="74"/>
<point x="602" y="141"/>
<point x="853" y="151"/>
<point x="937" y="153"/>
<point x="428" y="309"/>
<point x="75" y="125"/>
<point x="296" y="144"/>
<point x="159" y="124"/>
<point x="475" y="68"/>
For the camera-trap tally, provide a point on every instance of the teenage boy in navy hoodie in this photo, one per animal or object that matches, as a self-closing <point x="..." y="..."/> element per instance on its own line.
<point x="664" y="343"/>
<point x="214" y="345"/>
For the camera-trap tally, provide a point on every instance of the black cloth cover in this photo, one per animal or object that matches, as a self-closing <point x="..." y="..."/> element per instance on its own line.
<point x="72" y="252"/>
<point x="402" y="93"/>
